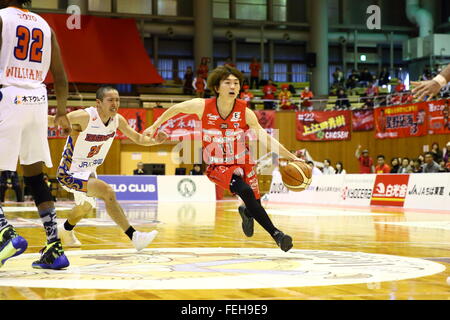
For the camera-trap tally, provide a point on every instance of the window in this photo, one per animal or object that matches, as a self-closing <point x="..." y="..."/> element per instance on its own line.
<point x="280" y="72"/>
<point x="45" y="4"/>
<point x="182" y="66"/>
<point x="279" y="10"/>
<point x="139" y="7"/>
<point x="243" y="66"/>
<point x="165" y="67"/>
<point x="221" y="9"/>
<point x="299" y="72"/>
<point x="251" y="9"/>
<point x="99" y="5"/>
<point x="265" y="71"/>
<point x="167" y="7"/>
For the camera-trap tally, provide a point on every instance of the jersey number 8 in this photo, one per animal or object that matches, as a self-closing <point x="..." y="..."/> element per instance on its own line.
<point x="23" y="50"/>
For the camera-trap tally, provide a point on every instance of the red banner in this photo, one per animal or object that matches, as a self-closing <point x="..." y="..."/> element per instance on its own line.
<point x="408" y="120"/>
<point x="438" y="115"/>
<point x="390" y="190"/>
<point x="323" y="125"/>
<point x="136" y="118"/>
<point x="362" y="120"/>
<point x="55" y="132"/>
<point x="266" y="119"/>
<point x="182" y="125"/>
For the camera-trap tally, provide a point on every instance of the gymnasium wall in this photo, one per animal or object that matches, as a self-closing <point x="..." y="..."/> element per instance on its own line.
<point x="120" y="158"/>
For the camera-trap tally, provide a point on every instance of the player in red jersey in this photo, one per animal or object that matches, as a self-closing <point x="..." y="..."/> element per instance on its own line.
<point x="226" y="121"/>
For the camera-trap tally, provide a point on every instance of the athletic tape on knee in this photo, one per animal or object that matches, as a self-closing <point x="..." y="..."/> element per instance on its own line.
<point x="39" y="190"/>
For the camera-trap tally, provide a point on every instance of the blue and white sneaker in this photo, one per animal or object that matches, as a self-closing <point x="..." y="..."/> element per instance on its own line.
<point x="52" y="257"/>
<point x="11" y="244"/>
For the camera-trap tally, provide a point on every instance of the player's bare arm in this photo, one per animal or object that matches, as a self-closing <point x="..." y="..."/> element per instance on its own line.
<point x="432" y="87"/>
<point x="193" y="106"/>
<point x="61" y="85"/>
<point x="267" y="139"/>
<point x="78" y="120"/>
<point x="136" y="137"/>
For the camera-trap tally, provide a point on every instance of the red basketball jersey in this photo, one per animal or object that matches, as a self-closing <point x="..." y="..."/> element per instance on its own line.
<point x="224" y="139"/>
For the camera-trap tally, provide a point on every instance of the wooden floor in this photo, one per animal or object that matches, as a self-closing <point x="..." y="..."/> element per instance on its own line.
<point x="330" y="244"/>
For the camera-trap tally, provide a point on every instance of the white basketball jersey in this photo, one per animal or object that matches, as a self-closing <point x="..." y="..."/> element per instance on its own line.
<point x="26" y="48"/>
<point x="92" y="144"/>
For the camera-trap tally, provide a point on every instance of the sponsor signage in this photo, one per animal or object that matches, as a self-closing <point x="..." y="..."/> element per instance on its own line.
<point x="323" y="125"/>
<point x="390" y="190"/>
<point x="357" y="189"/>
<point x="185" y="188"/>
<point x="428" y="191"/>
<point x="137" y="188"/>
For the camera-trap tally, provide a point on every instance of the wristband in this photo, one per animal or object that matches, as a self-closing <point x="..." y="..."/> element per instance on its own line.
<point x="441" y="80"/>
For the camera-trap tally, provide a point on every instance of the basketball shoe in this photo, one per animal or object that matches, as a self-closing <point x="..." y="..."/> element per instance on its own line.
<point x="284" y="241"/>
<point x="247" y="221"/>
<point x="68" y="237"/>
<point x="52" y="257"/>
<point x="11" y="244"/>
<point x="142" y="239"/>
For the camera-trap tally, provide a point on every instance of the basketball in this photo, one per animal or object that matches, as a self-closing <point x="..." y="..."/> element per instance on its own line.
<point x="296" y="175"/>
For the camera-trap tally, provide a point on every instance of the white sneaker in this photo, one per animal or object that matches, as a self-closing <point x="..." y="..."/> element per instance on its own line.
<point x="68" y="238"/>
<point x="143" y="239"/>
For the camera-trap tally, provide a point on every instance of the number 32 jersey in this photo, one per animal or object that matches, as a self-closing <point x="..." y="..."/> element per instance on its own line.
<point x="26" y="48"/>
<point x="85" y="152"/>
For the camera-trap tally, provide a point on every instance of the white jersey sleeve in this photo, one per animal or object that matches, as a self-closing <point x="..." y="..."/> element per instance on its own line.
<point x="25" y="53"/>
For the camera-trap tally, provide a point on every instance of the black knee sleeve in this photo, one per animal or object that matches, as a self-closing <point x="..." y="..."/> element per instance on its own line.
<point x="239" y="187"/>
<point x="38" y="189"/>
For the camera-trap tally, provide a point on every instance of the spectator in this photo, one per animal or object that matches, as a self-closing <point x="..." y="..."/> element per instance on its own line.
<point x="437" y="153"/>
<point x="405" y="167"/>
<point x="199" y="85"/>
<point x="140" y="169"/>
<point x="395" y="165"/>
<point x="382" y="167"/>
<point x="400" y="87"/>
<point x="203" y="69"/>
<point x="229" y="62"/>
<point x="315" y="171"/>
<point x="196" y="170"/>
<point x="446" y="152"/>
<point x="417" y="166"/>
<point x="255" y="67"/>
<point x="365" y="162"/>
<point x="246" y="95"/>
<point x="430" y="165"/>
<point x="338" y="77"/>
<point x="269" y="91"/>
<point x="327" y="168"/>
<point x="10" y="180"/>
<point x="353" y="79"/>
<point x="443" y="167"/>
<point x="370" y="94"/>
<point x="383" y="78"/>
<point x="285" y="98"/>
<point x="188" y="79"/>
<point x="365" y="77"/>
<point x="306" y="97"/>
<point x="342" y="102"/>
<point x="340" y="168"/>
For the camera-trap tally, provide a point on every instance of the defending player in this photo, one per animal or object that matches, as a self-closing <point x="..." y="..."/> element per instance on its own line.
<point x="29" y="48"/>
<point x="225" y="121"/>
<point x="93" y="131"/>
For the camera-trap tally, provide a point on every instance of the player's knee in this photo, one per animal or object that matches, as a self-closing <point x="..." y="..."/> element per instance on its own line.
<point x="39" y="190"/>
<point x="108" y="194"/>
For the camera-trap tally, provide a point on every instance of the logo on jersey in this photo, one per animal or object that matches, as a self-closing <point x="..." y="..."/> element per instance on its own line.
<point x="236" y="125"/>
<point x="99" y="137"/>
<point x="236" y="116"/>
<point x="212" y="117"/>
<point x="223" y="126"/>
<point x="30" y="100"/>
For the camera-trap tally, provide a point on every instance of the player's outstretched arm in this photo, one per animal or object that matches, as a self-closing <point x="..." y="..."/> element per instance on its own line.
<point x="268" y="141"/>
<point x="138" y="138"/>
<point x="193" y="106"/>
<point x="432" y="87"/>
<point x="79" y="118"/>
